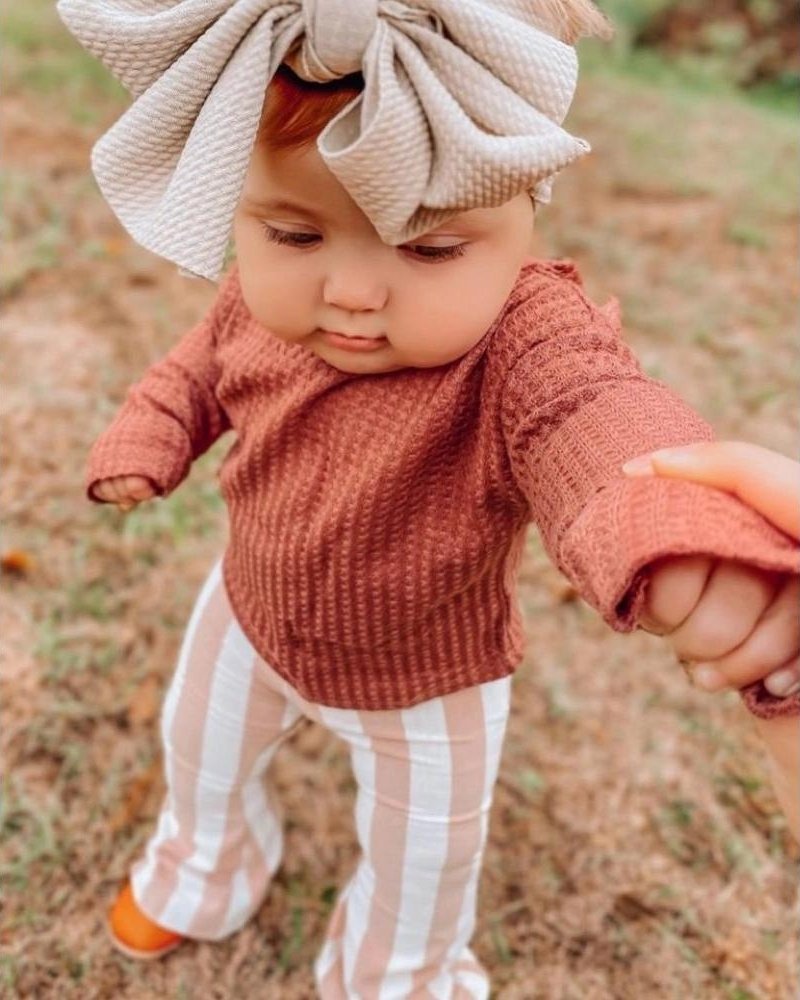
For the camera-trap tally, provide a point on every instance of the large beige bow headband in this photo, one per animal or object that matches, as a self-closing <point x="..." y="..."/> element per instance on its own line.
<point x="461" y="108"/>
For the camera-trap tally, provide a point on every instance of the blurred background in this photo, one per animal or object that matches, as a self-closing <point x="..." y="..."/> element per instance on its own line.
<point x="635" y="848"/>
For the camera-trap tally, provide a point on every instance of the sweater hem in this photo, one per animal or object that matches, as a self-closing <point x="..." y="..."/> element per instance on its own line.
<point x="496" y="664"/>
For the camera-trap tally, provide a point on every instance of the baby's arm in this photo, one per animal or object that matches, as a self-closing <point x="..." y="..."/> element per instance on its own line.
<point x="575" y="407"/>
<point x="169" y="417"/>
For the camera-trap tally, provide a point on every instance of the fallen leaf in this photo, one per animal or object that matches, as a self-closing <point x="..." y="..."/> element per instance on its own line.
<point x="16" y="561"/>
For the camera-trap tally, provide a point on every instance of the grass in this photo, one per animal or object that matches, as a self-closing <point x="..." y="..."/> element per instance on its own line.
<point x="37" y="231"/>
<point x="758" y="177"/>
<point x="44" y="60"/>
<point x="688" y="75"/>
<point x="32" y="829"/>
<point x="712" y="72"/>
<point x="747" y="234"/>
<point x="190" y="513"/>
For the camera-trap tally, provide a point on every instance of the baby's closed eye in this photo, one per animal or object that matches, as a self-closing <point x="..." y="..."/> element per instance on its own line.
<point x="420" y="250"/>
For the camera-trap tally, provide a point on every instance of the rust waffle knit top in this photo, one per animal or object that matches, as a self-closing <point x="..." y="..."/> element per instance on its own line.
<point x="377" y="521"/>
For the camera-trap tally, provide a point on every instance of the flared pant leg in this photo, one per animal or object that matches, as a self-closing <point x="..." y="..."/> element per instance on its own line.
<point x="219" y="839"/>
<point x="425" y="775"/>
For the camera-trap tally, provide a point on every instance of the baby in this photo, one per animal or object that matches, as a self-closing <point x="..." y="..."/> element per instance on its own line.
<point x="403" y="409"/>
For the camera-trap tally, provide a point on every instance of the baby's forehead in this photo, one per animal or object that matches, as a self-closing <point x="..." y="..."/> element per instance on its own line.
<point x="487" y="217"/>
<point x="297" y="181"/>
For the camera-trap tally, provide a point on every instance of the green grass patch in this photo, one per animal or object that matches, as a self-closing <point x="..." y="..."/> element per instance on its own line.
<point x="747" y="234"/>
<point x="33" y="830"/>
<point x="44" y="60"/>
<point x="183" y="516"/>
<point x="712" y="72"/>
<point x="65" y="656"/>
<point x="687" y="74"/>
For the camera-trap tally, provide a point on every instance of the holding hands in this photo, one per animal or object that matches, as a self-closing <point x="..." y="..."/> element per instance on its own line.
<point x="734" y="623"/>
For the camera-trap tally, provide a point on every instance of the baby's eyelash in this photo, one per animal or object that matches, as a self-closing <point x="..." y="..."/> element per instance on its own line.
<point x="290" y="239"/>
<point x="308" y="239"/>
<point x="439" y="253"/>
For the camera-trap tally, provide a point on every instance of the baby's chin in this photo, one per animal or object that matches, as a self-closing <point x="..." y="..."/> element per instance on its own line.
<point x="378" y="362"/>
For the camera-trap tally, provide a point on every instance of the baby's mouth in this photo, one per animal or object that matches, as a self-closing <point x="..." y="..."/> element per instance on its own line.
<point x="346" y="342"/>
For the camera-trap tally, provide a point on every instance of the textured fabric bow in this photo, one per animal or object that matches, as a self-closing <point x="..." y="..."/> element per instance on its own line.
<point x="461" y="108"/>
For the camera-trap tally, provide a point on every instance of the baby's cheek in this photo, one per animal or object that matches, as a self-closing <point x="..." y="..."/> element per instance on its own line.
<point x="442" y="313"/>
<point x="275" y="309"/>
<point x="427" y="344"/>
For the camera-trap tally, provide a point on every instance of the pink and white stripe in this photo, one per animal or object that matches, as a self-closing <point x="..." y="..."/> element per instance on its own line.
<point x="425" y="775"/>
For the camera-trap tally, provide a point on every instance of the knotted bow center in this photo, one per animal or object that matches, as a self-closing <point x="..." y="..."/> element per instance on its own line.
<point x="337" y="33"/>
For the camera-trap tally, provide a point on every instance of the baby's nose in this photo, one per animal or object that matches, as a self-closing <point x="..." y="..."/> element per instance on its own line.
<point x="355" y="290"/>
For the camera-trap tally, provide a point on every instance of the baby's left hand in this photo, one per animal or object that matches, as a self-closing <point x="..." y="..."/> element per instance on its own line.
<point x="735" y="624"/>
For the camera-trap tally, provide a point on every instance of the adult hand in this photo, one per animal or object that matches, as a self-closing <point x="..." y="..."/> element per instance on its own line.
<point x="770" y="483"/>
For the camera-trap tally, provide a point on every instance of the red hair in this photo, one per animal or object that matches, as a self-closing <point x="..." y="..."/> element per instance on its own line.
<point x="296" y="111"/>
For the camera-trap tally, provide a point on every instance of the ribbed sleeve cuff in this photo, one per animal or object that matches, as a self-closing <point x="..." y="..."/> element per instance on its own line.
<point x="156" y="449"/>
<point x="633" y="522"/>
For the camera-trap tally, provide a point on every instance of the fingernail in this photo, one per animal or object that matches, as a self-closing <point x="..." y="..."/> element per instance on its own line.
<point x="676" y="457"/>
<point x="640" y="466"/>
<point x="782" y="683"/>
<point x="708" y="678"/>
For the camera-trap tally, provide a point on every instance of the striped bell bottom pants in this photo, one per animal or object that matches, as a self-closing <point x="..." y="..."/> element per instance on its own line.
<point x="401" y="925"/>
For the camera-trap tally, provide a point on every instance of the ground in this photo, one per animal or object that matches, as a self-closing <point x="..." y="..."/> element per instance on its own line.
<point x="635" y="848"/>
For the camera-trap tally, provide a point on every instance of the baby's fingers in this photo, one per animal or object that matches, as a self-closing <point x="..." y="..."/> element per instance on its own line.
<point x="134" y="490"/>
<point x="674" y="589"/>
<point x="107" y="490"/>
<point x="735" y="599"/>
<point x="769" y="652"/>
<point x="125" y="491"/>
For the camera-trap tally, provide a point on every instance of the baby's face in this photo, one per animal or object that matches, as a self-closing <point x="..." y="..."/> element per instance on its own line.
<point x="312" y="265"/>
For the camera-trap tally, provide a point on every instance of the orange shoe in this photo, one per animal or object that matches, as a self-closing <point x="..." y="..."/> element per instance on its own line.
<point x="134" y="934"/>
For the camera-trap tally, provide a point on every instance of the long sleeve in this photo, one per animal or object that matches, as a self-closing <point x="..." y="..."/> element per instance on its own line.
<point x="172" y="414"/>
<point x="576" y="406"/>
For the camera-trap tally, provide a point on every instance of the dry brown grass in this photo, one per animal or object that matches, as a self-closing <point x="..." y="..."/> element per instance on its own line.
<point x="635" y="850"/>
